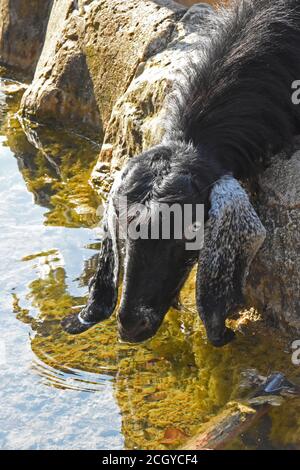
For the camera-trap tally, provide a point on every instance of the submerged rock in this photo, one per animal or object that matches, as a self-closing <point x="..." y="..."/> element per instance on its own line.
<point x="22" y="31"/>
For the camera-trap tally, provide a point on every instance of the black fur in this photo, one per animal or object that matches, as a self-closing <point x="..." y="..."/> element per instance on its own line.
<point x="234" y="102"/>
<point x="231" y="109"/>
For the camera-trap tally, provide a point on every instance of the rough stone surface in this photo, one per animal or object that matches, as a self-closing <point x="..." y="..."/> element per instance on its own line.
<point x="136" y="120"/>
<point x="274" y="282"/>
<point x="91" y="53"/>
<point x="62" y="89"/>
<point x="22" y="32"/>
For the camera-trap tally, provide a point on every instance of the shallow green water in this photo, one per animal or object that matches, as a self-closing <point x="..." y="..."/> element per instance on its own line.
<point x="91" y="391"/>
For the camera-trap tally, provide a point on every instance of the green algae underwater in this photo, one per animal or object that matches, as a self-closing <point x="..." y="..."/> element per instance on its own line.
<point x="149" y="396"/>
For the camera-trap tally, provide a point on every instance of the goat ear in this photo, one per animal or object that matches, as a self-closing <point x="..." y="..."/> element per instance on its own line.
<point x="103" y="287"/>
<point x="233" y="235"/>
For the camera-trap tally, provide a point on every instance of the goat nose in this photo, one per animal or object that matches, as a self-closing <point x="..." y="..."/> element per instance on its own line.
<point x="136" y="326"/>
<point x="221" y="339"/>
<point x="134" y="323"/>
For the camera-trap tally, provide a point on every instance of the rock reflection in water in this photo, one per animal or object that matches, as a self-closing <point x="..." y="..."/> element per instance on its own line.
<point x="56" y="167"/>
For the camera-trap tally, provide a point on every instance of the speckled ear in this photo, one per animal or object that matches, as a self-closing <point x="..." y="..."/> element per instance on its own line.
<point x="103" y="293"/>
<point x="233" y="235"/>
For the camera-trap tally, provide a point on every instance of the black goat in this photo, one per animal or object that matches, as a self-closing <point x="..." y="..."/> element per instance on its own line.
<point x="233" y="108"/>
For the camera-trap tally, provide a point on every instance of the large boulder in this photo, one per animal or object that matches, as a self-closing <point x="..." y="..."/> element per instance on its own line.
<point x="92" y="51"/>
<point x="137" y="117"/>
<point x="22" y="31"/>
<point x="62" y="90"/>
<point x="274" y="282"/>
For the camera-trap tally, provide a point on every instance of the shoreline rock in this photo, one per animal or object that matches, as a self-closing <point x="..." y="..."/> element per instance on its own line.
<point x="274" y="284"/>
<point x="23" y="26"/>
<point x="137" y="118"/>
<point x="82" y="72"/>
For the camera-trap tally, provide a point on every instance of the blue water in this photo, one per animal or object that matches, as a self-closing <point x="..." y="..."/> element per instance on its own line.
<point x="34" y="412"/>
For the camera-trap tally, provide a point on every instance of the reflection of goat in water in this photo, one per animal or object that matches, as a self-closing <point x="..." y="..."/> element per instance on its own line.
<point x="233" y="108"/>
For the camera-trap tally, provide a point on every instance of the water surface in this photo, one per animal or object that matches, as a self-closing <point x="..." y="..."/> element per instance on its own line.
<point x="91" y="391"/>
